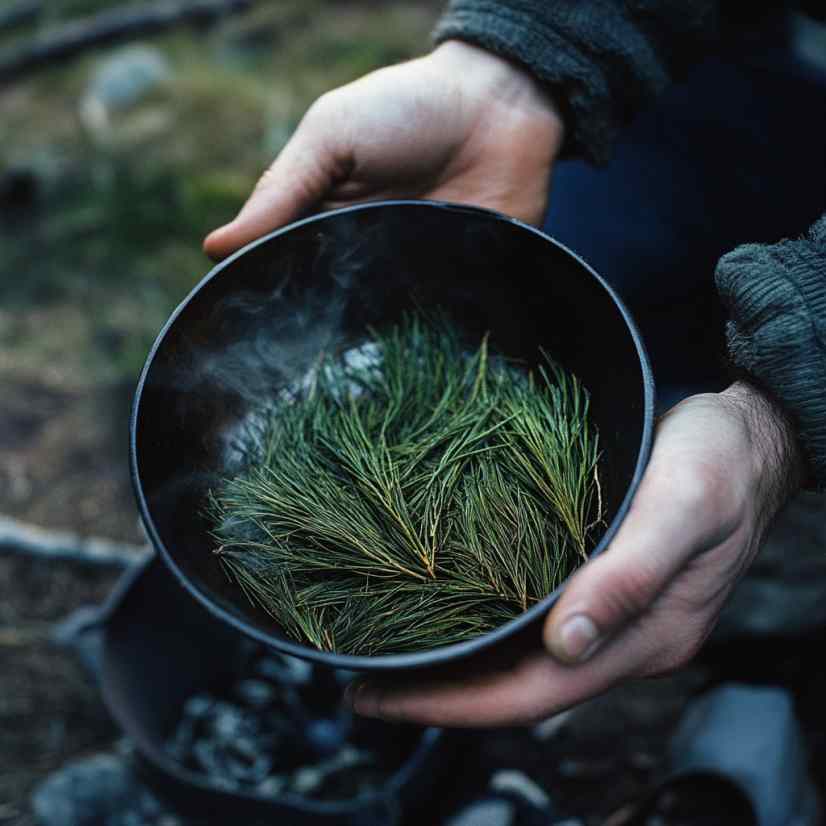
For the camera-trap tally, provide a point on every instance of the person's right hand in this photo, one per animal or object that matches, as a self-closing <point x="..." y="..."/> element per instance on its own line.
<point x="460" y="124"/>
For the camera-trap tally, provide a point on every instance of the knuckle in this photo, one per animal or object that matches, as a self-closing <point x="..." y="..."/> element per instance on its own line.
<point x="705" y="492"/>
<point x="697" y="485"/>
<point x="675" y="658"/>
<point x="631" y="594"/>
<point x="680" y="650"/>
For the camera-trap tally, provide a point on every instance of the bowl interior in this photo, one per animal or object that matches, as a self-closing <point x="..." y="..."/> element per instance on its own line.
<point x="258" y="322"/>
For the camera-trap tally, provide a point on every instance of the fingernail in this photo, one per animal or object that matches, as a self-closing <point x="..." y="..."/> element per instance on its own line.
<point x="578" y="638"/>
<point x="360" y="698"/>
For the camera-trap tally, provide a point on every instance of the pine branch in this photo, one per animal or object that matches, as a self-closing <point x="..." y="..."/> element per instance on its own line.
<point x="413" y="500"/>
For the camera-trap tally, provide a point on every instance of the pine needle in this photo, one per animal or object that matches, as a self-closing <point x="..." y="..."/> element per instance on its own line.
<point x="412" y="495"/>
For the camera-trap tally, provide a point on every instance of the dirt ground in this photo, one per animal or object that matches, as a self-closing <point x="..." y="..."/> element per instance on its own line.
<point x="62" y="465"/>
<point x="64" y="457"/>
<point x="49" y="707"/>
<point x="100" y="233"/>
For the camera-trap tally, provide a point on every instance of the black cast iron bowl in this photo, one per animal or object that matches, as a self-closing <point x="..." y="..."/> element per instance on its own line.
<point x="258" y="321"/>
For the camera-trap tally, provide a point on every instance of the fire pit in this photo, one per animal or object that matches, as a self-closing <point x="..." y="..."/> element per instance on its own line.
<point x="258" y="322"/>
<point x="226" y="730"/>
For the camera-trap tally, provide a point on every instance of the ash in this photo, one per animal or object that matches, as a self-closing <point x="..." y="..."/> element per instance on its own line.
<point x="282" y="728"/>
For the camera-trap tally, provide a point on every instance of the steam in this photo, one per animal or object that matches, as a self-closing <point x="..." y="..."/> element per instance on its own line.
<point x="261" y="347"/>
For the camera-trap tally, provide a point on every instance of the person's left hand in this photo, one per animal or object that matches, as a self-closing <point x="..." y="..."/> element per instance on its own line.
<point x="721" y="467"/>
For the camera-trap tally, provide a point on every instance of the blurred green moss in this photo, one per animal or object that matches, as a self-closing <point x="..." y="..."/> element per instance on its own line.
<point x="111" y="240"/>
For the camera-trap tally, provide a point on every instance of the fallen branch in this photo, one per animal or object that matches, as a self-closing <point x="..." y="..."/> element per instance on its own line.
<point x="20" y="13"/>
<point x="20" y="538"/>
<point x="110" y="27"/>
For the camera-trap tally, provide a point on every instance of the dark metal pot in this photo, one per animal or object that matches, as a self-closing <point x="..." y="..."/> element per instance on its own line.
<point x="258" y="321"/>
<point x="158" y="648"/>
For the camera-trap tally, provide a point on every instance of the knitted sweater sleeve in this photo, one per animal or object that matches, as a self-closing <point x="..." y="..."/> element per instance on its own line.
<point x="776" y="298"/>
<point x="602" y="59"/>
<point x="605" y="59"/>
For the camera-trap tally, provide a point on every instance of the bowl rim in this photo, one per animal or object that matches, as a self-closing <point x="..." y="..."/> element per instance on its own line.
<point x="434" y="656"/>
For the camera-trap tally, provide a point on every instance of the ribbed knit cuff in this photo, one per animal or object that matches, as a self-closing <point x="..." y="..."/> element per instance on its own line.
<point x="518" y="31"/>
<point x="602" y="60"/>
<point x="776" y="296"/>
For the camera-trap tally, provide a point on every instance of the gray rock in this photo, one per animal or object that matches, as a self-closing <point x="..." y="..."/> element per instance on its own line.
<point x="751" y="736"/>
<point x="492" y="812"/>
<point x="211" y="760"/>
<point x="306" y="780"/>
<point x="285" y="670"/>
<point x="126" y="77"/>
<point x="255" y="693"/>
<point x="272" y="786"/>
<point x="245" y="765"/>
<point x="228" y="722"/>
<point x="325" y="736"/>
<point x="518" y="784"/>
<point x="101" y="790"/>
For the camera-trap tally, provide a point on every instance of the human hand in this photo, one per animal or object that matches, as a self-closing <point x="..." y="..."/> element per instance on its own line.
<point x="721" y="467"/>
<point x="460" y="124"/>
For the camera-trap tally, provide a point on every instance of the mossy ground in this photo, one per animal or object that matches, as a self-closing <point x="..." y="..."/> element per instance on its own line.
<point x="108" y="239"/>
<point x="97" y="248"/>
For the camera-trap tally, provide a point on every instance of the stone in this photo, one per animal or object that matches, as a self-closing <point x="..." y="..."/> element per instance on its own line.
<point x="255" y="693"/>
<point x="199" y="705"/>
<point x="128" y="76"/>
<point x="492" y="812"/>
<point x="325" y="736"/>
<point x="272" y="786"/>
<point x="306" y="780"/>
<point x="102" y="790"/>
<point x="518" y="784"/>
<point x="720" y="734"/>
<point x="285" y="670"/>
<point x="227" y="722"/>
<point x="210" y="760"/>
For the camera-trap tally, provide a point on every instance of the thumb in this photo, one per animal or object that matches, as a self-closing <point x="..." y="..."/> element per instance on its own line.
<point x="301" y="175"/>
<point x="604" y="597"/>
<point x="662" y="531"/>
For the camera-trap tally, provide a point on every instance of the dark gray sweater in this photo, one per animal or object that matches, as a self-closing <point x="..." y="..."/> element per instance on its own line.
<point x="603" y="60"/>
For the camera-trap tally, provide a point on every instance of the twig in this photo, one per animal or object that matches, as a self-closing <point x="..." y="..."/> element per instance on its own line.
<point x="20" y="538"/>
<point x="111" y="27"/>
<point x="20" y="13"/>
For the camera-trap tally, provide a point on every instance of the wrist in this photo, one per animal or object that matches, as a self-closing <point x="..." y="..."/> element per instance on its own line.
<point x="500" y="87"/>
<point x="777" y="462"/>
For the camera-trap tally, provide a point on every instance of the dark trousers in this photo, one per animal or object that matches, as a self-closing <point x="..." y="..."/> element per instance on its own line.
<point x="735" y="154"/>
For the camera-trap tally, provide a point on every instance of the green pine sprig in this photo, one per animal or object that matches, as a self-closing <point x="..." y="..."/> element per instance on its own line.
<point x="414" y="498"/>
